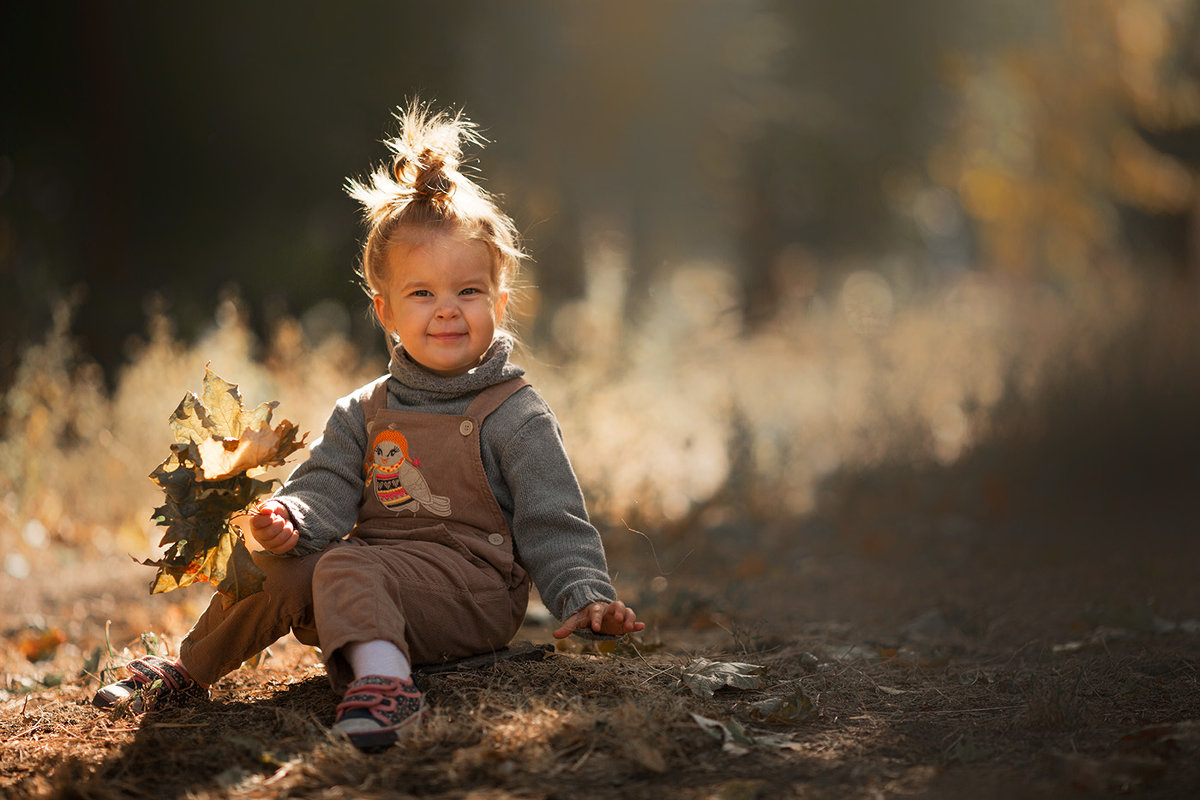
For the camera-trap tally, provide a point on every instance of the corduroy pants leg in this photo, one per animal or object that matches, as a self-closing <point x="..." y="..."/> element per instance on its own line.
<point x="226" y="636"/>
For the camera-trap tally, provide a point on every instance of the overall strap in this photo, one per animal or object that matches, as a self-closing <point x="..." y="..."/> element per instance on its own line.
<point x="374" y="398"/>
<point x="492" y="397"/>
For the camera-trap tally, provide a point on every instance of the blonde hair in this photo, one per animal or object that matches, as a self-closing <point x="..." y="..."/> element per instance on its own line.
<point x="424" y="191"/>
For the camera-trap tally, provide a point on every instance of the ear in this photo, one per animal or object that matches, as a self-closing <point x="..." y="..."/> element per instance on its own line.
<point x="383" y="311"/>
<point x="501" y="304"/>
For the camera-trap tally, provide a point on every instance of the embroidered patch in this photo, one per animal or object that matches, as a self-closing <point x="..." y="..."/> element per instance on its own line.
<point x="397" y="481"/>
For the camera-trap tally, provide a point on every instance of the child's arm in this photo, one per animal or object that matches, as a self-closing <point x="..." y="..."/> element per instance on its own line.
<point x="613" y="619"/>
<point x="557" y="544"/>
<point x="322" y="495"/>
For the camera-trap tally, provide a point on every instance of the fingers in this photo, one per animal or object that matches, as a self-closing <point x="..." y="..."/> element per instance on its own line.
<point x="571" y="623"/>
<point x="585" y="617"/>
<point x="272" y="508"/>
<point x="624" y="619"/>
<point x="612" y="619"/>
<point x="616" y="618"/>
<point x="286" y="540"/>
<point x="596" y="614"/>
<point x="281" y="542"/>
<point x="272" y="528"/>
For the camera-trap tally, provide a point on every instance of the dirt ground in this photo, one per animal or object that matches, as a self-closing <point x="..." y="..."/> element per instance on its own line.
<point x="910" y="647"/>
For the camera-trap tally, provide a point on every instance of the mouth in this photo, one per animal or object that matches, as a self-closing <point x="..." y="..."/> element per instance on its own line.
<point x="447" y="336"/>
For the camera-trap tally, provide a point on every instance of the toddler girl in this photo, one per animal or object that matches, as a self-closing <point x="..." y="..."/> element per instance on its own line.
<point x="434" y="495"/>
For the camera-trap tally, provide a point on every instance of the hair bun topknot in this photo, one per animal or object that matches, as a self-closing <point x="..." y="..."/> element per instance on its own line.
<point x="422" y="188"/>
<point x="428" y="150"/>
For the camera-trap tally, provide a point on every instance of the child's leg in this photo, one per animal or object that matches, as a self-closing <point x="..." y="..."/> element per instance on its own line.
<point x="430" y="600"/>
<point x="225" y="637"/>
<point x="379" y="605"/>
<point x="378" y="657"/>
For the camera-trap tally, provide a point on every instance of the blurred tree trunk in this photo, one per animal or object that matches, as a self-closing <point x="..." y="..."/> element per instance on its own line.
<point x="762" y="237"/>
<point x="557" y="247"/>
<point x="112" y="301"/>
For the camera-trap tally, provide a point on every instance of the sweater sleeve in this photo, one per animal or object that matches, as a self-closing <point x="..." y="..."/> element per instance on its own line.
<point x="323" y="493"/>
<point x="555" y="541"/>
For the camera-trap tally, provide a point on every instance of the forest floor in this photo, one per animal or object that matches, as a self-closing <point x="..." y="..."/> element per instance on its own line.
<point x="993" y="650"/>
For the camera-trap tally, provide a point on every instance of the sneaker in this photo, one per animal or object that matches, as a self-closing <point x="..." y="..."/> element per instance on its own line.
<point x="377" y="711"/>
<point x="152" y="681"/>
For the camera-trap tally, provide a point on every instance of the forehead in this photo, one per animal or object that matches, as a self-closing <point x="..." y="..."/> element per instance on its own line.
<point x="439" y="256"/>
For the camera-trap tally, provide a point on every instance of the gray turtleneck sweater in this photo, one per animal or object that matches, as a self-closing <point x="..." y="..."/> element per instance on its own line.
<point x="523" y="456"/>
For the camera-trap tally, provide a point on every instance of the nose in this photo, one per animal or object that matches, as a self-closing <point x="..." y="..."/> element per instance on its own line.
<point x="447" y="309"/>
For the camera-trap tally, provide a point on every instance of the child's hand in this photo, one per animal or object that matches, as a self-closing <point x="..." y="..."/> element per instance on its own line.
<point x="613" y="618"/>
<point x="272" y="527"/>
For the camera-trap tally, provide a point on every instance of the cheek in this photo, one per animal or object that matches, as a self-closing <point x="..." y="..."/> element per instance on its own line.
<point x="408" y="312"/>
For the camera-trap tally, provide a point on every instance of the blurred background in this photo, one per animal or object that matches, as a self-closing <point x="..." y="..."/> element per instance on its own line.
<point x="789" y="257"/>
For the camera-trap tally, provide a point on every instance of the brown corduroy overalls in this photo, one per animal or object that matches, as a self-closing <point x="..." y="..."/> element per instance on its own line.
<point x="430" y="565"/>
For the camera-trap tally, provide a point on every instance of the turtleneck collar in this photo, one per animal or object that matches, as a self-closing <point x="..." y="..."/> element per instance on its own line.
<point x="419" y="385"/>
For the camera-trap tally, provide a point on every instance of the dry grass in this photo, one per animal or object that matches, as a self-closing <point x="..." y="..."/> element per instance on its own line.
<point x="620" y="726"/>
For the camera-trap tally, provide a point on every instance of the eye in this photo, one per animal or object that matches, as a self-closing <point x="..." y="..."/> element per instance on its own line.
<point x="472" y="290"/>
<point x="421" y="293"/>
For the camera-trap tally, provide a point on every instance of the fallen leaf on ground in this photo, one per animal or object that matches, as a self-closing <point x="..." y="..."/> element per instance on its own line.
<point x="37" y="644"/>
<point x="858" y="652"/>
<point x="734" y="739"/>
<point x="703" y="677"/>
<point x="790" y="710"/>
<point x="737" y="741"/>
<point x="1099" y="637"/>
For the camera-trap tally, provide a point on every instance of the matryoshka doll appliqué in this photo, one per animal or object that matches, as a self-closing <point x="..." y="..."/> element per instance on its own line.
<point x="398" y="483"/>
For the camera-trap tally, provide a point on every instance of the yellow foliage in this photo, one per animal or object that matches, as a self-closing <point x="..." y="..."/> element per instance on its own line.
<point x="1044" y="147"/>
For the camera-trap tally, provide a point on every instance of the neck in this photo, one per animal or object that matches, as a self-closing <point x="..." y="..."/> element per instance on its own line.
<point x="493" y="368"/>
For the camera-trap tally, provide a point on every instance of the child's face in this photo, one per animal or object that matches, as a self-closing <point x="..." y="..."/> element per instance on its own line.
<point x="439" y="298"/>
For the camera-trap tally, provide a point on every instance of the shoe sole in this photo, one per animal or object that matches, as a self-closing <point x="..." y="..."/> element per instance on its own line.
<point x="384" y="737"/>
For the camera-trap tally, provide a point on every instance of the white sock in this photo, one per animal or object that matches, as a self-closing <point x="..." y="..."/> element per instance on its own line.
<point x="378" y="657"/>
